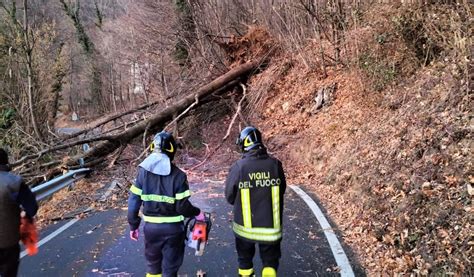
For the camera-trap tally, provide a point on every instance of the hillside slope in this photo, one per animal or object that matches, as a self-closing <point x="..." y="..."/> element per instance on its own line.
<point x="390" y="157"/>
<point x="392" y="169"/>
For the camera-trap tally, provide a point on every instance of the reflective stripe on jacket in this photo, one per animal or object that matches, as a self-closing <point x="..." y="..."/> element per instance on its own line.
<point x="165" y="199"/>
<point x="255" y="186"/>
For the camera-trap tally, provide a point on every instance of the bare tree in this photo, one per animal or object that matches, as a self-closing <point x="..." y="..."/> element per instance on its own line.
<point x="28" y="48"/>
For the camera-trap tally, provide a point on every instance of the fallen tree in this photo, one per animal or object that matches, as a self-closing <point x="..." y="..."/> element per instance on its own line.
<point x="111" y="143"/>
<point x="109" y="119"/>
<point x="108" y="143"/>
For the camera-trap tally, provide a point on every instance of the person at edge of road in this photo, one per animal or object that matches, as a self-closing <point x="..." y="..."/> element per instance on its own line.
<point x="255" y="186"/>
<point x="14" y="196"/>
<point x="163" y="190"/>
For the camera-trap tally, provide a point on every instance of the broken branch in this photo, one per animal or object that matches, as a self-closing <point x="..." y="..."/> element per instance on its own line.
<point x="237" y="112"/>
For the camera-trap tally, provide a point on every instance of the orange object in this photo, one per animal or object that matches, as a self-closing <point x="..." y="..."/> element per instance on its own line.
<point x="198" y="234"/>
<point x="29" y="236"/>
<point x="200" y="231"/>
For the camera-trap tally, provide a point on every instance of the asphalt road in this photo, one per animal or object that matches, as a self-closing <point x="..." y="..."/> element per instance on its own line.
<point x="99" y="245"/>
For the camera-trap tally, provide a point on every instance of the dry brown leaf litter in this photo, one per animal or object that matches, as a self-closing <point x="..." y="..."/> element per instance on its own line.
<point x="84" y="197"/>
<point x="392" y="169"/>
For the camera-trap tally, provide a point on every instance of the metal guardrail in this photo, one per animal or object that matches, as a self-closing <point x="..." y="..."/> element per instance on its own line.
<point x="47" y="189"/>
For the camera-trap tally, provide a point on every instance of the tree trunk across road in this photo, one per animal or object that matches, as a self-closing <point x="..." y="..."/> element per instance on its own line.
<point x="156" y="122"/>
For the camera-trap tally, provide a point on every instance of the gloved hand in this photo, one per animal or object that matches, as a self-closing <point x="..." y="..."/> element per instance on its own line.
<point x="134" y="235"/>
<point x="201" y="217"/>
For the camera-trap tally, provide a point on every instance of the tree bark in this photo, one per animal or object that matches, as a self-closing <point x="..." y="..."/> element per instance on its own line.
<point x="55" y="89"/>
<point x="109" y="119"/>
<point x="112" y="86"/>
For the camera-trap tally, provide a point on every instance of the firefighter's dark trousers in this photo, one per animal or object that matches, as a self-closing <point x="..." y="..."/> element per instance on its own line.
<point x="164" y="248"/>
<point x="9" y="261"/>
<point x="269" y="253"/>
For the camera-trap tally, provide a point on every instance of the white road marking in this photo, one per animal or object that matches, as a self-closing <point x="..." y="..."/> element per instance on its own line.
<point x="336" y="248"/>
<point x="52" y="235"/>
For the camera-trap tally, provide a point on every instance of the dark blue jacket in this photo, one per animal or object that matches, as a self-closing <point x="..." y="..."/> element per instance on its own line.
<point x="14" y="195"/>
<point x="165" y="199"/>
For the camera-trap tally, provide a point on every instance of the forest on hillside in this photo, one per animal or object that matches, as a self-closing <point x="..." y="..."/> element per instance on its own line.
<point x="375" y="96"/>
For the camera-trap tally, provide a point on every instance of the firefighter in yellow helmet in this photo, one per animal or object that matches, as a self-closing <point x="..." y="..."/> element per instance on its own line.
<point x="255" y="186"/>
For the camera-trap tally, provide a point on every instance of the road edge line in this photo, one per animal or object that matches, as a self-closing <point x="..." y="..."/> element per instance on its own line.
<point x="52" y="235"/>
<point x="336" y="247"/>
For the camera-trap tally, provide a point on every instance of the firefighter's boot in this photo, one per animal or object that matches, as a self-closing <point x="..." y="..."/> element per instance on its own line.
<point x="269" y="272"/>
<point x="246" y="272"/>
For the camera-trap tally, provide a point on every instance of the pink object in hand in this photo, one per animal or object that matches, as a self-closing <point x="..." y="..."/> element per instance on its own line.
<point x="201" y="217"/>
<point x="134" y="235"/>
